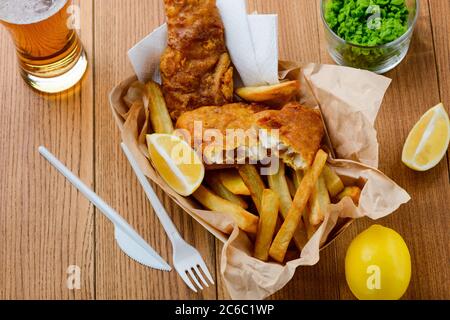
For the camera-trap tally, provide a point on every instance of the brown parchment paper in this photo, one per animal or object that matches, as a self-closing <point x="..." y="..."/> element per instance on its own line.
<point x="350" y="100"/>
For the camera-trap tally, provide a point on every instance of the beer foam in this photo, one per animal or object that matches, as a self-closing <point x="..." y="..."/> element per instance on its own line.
<point x="29" y="11"/>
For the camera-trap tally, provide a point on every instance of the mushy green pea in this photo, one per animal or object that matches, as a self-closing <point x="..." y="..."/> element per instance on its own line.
<point x="367" y="22"/>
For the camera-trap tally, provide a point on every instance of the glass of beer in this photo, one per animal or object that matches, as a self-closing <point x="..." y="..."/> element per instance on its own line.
<point x="50" y="54"/>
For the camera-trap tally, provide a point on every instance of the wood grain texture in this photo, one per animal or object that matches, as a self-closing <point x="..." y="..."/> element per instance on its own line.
<point x="119" y="25"/>
<point x="424" y="221"/>
<point x="308" y="283"/>
<point x="45" y="224"/>
<point x="441" y="29"/>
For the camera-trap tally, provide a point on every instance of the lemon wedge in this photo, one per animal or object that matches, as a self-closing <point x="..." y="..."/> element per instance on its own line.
<point x="177" y="163"/>
<point x="428" y="141"/>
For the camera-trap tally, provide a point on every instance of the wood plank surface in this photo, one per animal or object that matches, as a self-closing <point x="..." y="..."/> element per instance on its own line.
<point x="119" y="25"/>
<point x="441" y="29"/>
<point x="423" y="222"/>
<point x="45" y="225"/>
<point x="308" y="283"/>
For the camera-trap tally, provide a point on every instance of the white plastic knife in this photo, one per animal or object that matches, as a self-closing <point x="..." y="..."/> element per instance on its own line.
<point x="127" y="238"/>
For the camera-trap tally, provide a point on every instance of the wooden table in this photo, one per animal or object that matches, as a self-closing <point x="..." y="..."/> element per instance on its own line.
<point x="46" y="225"/>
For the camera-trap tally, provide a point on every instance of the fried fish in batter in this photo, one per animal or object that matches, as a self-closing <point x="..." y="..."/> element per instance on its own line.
<point x="300" y="131"/>
<point x="294" y="132"/>
<point x="195" y="68"/>
<point x="228" y="133"/>
<point x="228" y="117"/>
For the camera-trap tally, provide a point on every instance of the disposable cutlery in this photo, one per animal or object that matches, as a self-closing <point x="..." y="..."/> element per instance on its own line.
<point x="128" y="240"/>
<point x="186" y="259"/>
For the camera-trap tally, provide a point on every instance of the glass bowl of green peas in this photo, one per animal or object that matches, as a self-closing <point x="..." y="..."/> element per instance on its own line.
<point x="369" y="34"/>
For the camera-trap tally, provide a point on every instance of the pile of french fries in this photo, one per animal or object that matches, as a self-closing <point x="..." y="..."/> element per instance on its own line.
<point x="280" y="212"/>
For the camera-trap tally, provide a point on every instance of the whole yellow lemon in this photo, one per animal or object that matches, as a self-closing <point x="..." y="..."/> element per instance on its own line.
<point x="378" y="265"/>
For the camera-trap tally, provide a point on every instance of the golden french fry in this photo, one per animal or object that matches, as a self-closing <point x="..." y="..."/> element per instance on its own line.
<point x="310" y="229"/>
<point x="300" y="236"/>
<point x="244" y="219"/>
<point x="279" y="184"/>
<point x="319" y="201"/>
<point x="278" y="94"/>
<point x="352" y="192"/>
<point x="254" y="183"/>
<point x="298" y="177"/>
<point x="217" y="186"/>
<point x="233" y="182"/>
<point x="278" y="225"/>
<point x="284" y="236"/>
<point x="159" y="115"/>
<point x="333" y="182"/>
<point x="291" y="186"/>
<point x="267" y="223"/>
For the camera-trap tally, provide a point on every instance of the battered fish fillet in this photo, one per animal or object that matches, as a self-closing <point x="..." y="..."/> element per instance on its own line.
<point x="230" y="116"/>
<point x="300" y="133"/>
<point x="195" y="68"/>
<point x="238" y="116"/>
<point x="294" y="133"/>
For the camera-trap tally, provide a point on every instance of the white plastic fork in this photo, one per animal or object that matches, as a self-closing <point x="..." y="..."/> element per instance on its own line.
<point x="186" y="259"/>
<point x="129" y="241"/>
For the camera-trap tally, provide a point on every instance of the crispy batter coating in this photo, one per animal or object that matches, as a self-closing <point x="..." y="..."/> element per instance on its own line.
<point x="299" y="127"/>
<point x="231" y="116"/>
<point x="195" y="68"/>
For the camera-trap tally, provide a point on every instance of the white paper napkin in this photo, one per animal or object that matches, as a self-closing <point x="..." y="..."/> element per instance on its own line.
<point x="145" y="55"/>
<point x="264" y="30"/>
<point x="252" y="41"/>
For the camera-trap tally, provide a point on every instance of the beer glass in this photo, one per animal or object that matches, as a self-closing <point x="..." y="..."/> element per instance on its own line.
<point x="50" y="54"/>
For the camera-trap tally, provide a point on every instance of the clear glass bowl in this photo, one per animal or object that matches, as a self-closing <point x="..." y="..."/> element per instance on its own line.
<point x="379" y="59"/>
